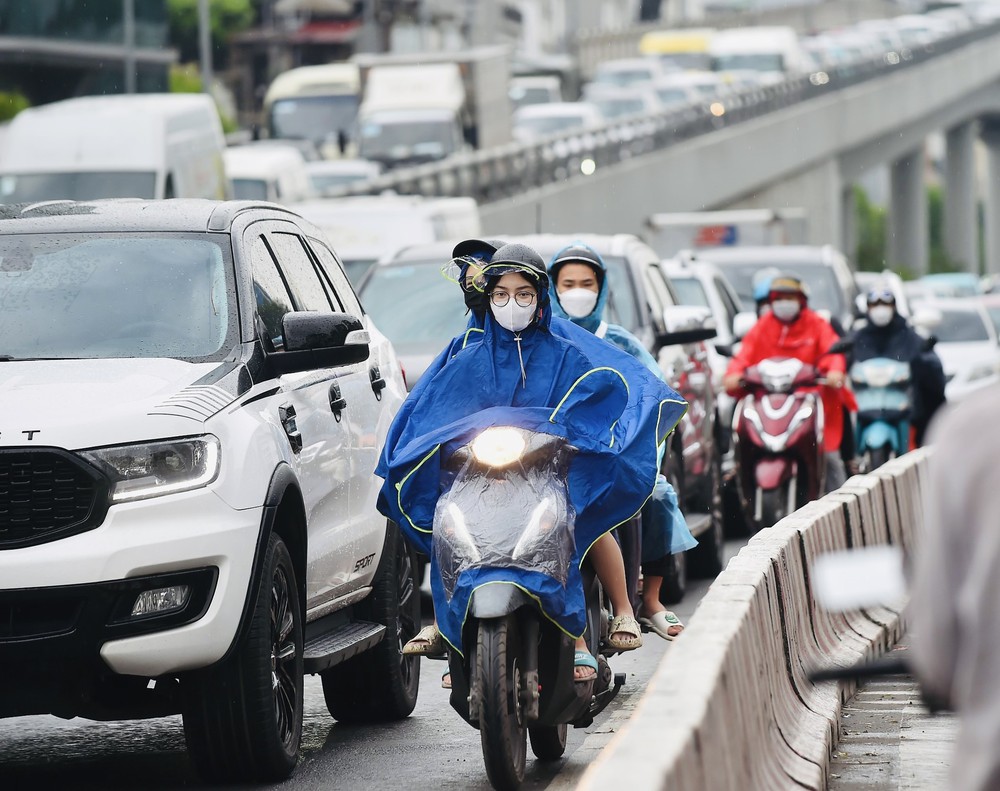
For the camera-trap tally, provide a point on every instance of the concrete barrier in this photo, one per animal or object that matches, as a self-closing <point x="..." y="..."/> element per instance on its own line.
<point x="730" y="706"/>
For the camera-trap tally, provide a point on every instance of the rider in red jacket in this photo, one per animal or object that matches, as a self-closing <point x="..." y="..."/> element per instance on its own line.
<point x="791" y="329"/>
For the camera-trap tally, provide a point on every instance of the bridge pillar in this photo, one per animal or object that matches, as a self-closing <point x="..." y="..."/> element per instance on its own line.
<point x="849" y="223"/>
<point x="908" y="243"/>
<point x="990" y="134"/>
<point x="960" y="221"/>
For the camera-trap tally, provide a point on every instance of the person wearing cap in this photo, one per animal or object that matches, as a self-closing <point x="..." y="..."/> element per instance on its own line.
<point x="579" y="289"/>
<point x="791" y="329"/>
<point x="518" y="366"/>
<point x="887" y="334"/>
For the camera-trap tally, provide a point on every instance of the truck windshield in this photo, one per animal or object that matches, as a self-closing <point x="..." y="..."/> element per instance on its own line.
<point x="70" y="296"/>
<point x="250" y="189"/>
<point x="757" y="61"/>
<point x="401" y="140"/>
<point x="824" y="290"/>
<point x="315" y="118"/>
<point x="34" y="187"/>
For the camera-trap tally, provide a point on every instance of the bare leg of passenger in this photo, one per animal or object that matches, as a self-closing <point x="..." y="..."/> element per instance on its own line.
<point x="606" y="556"/>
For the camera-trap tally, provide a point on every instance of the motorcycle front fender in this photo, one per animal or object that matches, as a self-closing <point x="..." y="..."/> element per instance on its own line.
<point x="773" y="471"/>
<point x="878" y="434"/>
<point x="497" y="600"/>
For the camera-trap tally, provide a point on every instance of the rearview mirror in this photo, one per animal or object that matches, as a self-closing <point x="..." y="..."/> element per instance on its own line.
<point x="320" y="340"/>
<point x="858" y="578"/>
<point x="925" y="318"/>
<point x="686" y="324"/>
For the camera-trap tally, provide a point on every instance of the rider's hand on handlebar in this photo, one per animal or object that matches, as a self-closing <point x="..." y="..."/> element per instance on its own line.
<point x="732" y="382"/>
<point x="835" y="378"/>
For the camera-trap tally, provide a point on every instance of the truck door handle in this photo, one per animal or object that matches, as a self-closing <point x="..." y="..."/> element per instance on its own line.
<point x="286" y="414"/>
<point x="337" y="403"/>
<point x="378" y="383"/>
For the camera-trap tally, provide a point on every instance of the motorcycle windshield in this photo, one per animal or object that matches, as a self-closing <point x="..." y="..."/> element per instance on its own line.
<point x="881" y="385"/>
<point x="514" y="516"/>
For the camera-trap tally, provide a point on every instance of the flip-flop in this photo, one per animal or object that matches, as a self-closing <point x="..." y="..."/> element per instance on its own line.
<point x="585" y="659"/>
<point x="427" y="642"/>
<point x="446" y="680"/>
<point x="661" y="623"/>
<point x="625" y="624"/>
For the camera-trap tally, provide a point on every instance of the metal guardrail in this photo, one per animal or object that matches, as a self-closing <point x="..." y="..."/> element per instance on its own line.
<point x="512" y="169"/>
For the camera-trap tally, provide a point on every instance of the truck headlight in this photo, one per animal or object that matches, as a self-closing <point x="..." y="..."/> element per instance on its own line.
<point x="152" y="469"/>
<point x="498" y="447"/>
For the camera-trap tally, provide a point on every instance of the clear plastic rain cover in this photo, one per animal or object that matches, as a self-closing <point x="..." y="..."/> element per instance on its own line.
<point x="515" y="516"/>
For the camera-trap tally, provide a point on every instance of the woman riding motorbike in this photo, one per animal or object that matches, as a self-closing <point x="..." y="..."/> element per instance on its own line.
<point x="521" y="367"/>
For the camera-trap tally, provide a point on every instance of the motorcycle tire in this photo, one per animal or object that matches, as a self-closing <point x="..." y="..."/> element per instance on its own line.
<point x="502" y="727"/>
<point x="878" y="456"/>
<point x="548" y="742"/>
<point x="774" y="505"/>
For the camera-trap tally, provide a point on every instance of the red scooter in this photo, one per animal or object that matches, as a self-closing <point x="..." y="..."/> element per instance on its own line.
<point x="778" y="438"/>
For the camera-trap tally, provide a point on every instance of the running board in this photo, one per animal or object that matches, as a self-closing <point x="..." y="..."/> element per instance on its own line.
<point x="601" y="701"/>
<point x="331" y="648"/>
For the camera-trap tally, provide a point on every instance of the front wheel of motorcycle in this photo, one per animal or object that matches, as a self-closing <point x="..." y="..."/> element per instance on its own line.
<point x="774" y="505"/>
<point x="502" y="727"/>
<point x="548" y="742"/>
<point x="878" y="456"/>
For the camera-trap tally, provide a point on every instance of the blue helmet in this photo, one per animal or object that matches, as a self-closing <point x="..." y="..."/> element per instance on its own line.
<point x="761" y="283"/>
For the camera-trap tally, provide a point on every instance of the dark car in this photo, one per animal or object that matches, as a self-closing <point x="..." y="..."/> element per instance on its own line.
<point x="640" y="299"/>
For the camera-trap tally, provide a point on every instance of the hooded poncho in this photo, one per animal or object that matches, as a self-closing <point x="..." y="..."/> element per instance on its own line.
<point x="466" y="390"/>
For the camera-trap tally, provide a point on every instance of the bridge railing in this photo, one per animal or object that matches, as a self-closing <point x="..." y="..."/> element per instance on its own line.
<point x="512" y="169"/>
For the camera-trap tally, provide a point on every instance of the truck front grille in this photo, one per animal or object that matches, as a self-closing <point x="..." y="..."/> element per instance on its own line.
<point x="46" y="494"/>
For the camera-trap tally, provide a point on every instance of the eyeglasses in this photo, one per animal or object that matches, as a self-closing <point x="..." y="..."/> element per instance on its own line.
<point x="522" y="298"/>
<point x="881" y="298"/>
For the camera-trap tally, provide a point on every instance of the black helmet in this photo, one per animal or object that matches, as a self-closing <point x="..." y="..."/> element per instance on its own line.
<point x="577" y="254"/>
<point x="476" y="248"/>
<point x="519" y="258"/>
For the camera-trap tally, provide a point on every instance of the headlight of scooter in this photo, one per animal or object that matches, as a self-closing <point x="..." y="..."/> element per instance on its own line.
<point x="498" y="446"/>
<point x="542" y="520"/>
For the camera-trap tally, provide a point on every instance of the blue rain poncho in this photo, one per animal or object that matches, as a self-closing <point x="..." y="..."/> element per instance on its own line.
<point x="466" y="390"/>
<point x="665" y="530"/>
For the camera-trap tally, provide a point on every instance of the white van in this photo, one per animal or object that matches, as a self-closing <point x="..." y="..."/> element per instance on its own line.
<point x="317" y="103"/>
<point x="774" y="51"/>
<point x="273" y="172"/>
<point x="147" y="145"/>
<point x="366" y="228"/>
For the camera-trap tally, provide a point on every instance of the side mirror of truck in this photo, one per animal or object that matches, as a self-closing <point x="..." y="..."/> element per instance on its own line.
<point x="743" y="322"/>
<point x="320" y="340"/>
<point x="686" y="324"/>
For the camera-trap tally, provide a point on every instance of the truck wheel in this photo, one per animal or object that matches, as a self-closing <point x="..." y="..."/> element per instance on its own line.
<point x="381" y="684"/>
<point x="243" y="720"/>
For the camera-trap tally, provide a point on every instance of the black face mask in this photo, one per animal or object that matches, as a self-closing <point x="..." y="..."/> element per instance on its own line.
<point x="476" y="301"/>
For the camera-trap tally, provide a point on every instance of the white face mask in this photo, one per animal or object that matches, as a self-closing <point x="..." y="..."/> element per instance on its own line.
<point x="578" y="302"/>
<point x="512" y="316"/>
<point x="785" y="309"/>
<point x="880" y="315"/>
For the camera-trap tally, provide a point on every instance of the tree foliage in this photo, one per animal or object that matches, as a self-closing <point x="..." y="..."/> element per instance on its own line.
<point x="225" y="16"/>
<point x="11" y="103"/>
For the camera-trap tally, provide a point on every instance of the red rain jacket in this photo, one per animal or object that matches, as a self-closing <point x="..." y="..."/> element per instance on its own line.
<point x="806" y="339"/>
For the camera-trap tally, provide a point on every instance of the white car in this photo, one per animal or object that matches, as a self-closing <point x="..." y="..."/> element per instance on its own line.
<point x="966" y="344"/>
<point x="538" y="121"/>
<point x="333" y="175"/>
<point x="192" y="403"/>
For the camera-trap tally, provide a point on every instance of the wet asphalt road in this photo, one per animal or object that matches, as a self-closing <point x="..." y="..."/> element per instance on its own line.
<point x="432" y="749"/>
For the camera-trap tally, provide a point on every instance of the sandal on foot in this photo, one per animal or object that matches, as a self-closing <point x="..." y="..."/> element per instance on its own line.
<point x="627" y="625"/>
<point x="585" y="659"/>
<point x="662" y="623"/>
<point x="446" y="680"/>
<point x="427" y="642"/>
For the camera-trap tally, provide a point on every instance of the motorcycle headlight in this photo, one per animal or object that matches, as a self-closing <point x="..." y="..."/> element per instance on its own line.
<point x="458" y="533"/>
<point x="542" y="520"/>
<point x="498" y="447"/>
<point x="152" y="469"/>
